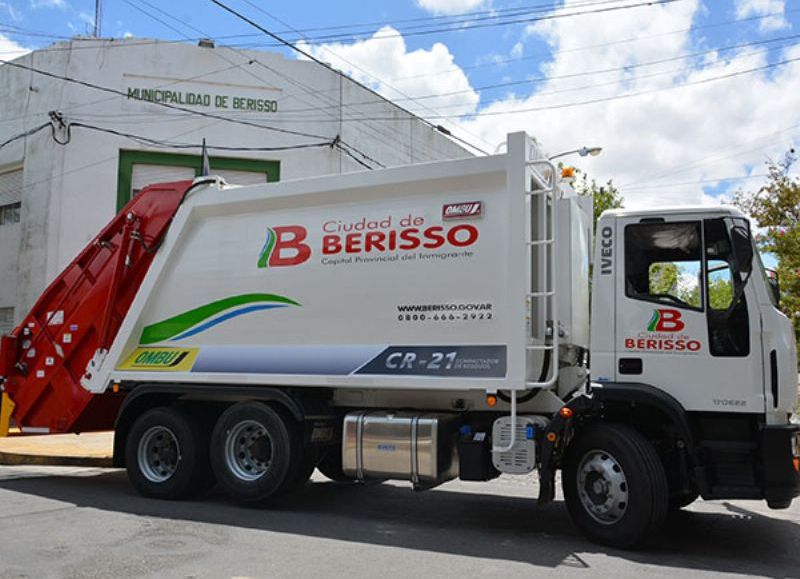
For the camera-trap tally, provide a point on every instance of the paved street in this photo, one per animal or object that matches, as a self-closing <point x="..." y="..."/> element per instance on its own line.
<point x="78" y="522"/>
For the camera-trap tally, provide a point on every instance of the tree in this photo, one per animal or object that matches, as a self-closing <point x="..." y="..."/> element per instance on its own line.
<point x="776" y="209"/>
<point x="605" y="196"/>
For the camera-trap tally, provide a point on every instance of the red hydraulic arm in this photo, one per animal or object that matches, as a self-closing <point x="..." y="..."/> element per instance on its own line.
<point x="45" y="357"/>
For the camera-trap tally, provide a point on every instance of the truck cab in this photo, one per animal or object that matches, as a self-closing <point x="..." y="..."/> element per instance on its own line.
<point x="686" y="319"/>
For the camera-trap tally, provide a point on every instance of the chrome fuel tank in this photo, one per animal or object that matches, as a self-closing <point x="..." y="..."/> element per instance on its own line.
<point x="405" y="445"/>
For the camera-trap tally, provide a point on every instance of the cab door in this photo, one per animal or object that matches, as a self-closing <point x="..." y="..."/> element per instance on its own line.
<point x="681" y="324"/>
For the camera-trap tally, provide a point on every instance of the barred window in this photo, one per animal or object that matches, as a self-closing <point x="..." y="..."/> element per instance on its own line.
<point x="10" y="213"/>
<point x="6" y="321"/>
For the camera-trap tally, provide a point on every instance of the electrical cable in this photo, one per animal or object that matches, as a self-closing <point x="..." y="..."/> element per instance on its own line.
<point x="605" y="99"/>
<point x="25" y="134"/>
<point x="309" y="55"/>
<point x="162" y="104"/>
<point x="217" y="53"/>
<point x="459" y="27"/>
<point x="395" y="89"/>
<point x="590" y="73"/>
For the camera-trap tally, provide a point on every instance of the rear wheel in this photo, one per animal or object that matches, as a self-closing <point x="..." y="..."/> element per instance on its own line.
<point x="614" y="485"/>
<point x="166" y="454"/>
<point x="253" y="451"/>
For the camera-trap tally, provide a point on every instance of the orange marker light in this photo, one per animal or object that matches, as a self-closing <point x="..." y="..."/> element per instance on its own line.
<point x="566" y="412"/>
<point x="491" y="400"/>
<point x="115" y="388"/>
<point x="796" y="462"/>
<point x="551" y="436"/>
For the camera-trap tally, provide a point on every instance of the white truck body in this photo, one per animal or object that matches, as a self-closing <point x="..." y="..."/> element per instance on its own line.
<point x="408" y="278"/>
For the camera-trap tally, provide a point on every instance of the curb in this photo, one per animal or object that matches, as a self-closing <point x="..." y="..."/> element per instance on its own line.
<point x="14" y="459"/>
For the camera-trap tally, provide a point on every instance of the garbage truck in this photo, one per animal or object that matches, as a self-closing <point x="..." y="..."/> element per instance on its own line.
<point x="421" y="323"/>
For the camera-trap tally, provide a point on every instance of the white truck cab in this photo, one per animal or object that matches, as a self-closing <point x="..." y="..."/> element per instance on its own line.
<point x="685" y="319"/>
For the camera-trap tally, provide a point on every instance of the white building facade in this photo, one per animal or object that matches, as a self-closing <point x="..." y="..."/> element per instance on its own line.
<point x="142" y="121"/>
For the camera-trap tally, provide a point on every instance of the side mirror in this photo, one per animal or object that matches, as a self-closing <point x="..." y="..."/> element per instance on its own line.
<point x="774" y="286"/>
<point x="742" y="248"/>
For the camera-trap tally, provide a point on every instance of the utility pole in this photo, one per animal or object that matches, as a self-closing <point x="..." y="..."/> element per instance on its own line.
<point x="98" y="17"/>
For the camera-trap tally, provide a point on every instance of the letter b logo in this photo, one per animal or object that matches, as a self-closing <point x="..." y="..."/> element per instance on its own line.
<point x="665" y="320"/>
<point x="284" y="246"/>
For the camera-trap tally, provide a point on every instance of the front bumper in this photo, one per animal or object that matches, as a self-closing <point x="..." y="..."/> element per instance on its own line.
<point x="780" y="456"/>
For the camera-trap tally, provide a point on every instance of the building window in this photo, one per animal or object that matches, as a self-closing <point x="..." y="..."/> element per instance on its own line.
<point x="6" y="321"/>
<point x="138" y="169"/>
<point x="9" y="213"/>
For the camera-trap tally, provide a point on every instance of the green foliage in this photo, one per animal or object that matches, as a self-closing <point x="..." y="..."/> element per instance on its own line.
<point x="605" y="196"/>
<point x="664" y="278"/>
<point x="776" y="208"/>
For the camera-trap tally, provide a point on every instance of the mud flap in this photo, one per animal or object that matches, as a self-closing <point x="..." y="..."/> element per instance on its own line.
<point x="6" y="410"/>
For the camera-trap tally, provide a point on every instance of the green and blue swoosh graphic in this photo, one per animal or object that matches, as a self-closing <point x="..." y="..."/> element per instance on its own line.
<point x="209" y="315"/>
<point x="651" y="325"/>
<point x="266" y="251"/>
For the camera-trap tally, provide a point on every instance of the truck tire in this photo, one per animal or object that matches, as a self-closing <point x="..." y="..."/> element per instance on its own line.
<point x="253" y="451"/>
<point x="298" y="479"/>
<point x="330" y="464"/>
<point x="615" y="486"/>
<point x="166" y="455"/>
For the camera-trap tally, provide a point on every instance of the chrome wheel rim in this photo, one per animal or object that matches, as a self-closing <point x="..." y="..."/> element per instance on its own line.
<point x="602" y="487"/>
<point x="248" y="450"/>
<point x="159" y="454"/>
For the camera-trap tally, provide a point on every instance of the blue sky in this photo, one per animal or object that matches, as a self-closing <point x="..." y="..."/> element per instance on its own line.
<point x="691" y="98"/>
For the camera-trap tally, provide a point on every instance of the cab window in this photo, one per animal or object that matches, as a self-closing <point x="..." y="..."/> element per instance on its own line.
<point x="728" y="321"/>
<point x="663" y="263"/>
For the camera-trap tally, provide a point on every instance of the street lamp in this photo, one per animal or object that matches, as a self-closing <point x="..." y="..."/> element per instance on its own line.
<point x="583" y="152"/>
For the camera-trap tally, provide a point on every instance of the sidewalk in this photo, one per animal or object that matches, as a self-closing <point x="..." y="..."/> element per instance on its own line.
<point x="89" y="449"/>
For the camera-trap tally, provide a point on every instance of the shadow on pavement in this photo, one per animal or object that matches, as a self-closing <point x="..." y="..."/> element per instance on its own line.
<point x="458" y="523"/>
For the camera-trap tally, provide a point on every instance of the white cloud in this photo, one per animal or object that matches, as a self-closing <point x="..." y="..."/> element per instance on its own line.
<point x="668" y="136"/>
<point x="747" y="8"/>
<point x="450" y="6"/>
<point x="9" y="50"/>
<point x="518" y="49"/>
<point x="62" y="4"/>
<point x="377" y="60"/>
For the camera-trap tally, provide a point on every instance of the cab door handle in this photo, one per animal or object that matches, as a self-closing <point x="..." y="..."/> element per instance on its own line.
<point x="773" y="376"/>
<point x="630" y="366"/>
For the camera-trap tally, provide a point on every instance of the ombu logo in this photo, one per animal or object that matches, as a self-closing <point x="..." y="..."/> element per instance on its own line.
<point x="462" y="210"/>
<point x="666" y="321"/>
<point x="164" y="359"/>
<point x="284" y="246"/>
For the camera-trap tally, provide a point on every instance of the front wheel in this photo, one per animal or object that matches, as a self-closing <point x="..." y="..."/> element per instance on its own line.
<point x="614" y="485"/>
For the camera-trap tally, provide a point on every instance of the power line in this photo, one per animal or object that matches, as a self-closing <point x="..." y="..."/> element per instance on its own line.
<point x="162" y="104"/>
<point x="585" y="73"/>
<point x="611" y="98"/>
<point x="717" y="156"/>
<point x="202" y="32"/>
<point x="502" y="61"/>
<point x="481" y="23"/>
<point x="307" y="54"/>
<point x="702" y="182"/>
<point x="437" y="128"/>
<point x="173" y="145"/>
<point x="25" y="134"/>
